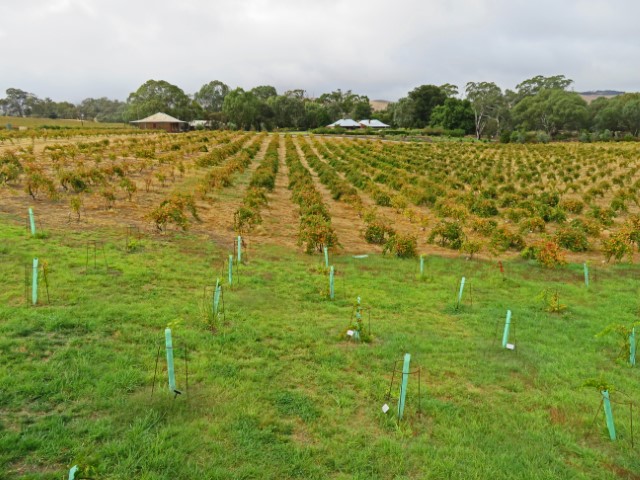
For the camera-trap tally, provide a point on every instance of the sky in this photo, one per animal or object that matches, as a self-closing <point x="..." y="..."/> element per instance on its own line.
<point x="74" y="49"/>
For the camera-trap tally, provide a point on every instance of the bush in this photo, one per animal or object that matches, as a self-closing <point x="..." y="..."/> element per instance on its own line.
<point x="245" y="218"/>
<point x="617" y="246"/>
<point x="573" y="239"/>
<point x="382" y="199"/>
<point x="572" y="205"/>
<point x="532" y="224"/>
<point x="504" y="239"/>
<point x="471" y="246"/>
<point x="172" y="210"/>
<point x="450" y="234"/>
<point x="547" y="252"/>
<point x="543" y="137"/>
<point x="316" y="232"/>
<point x="584" y="137"/>
<point x="10" y="167"/>
<point x="402" y="246"/>
<point x="378" y="232"/>
<point x="484" y="207"/>
<point x="483" y="226"/>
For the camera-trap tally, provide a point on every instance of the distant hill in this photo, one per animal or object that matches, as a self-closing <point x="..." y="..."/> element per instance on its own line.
<point x="378" y="105"/>
<point x="590" y="96"/>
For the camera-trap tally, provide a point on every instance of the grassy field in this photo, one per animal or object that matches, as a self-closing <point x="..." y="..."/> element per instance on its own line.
<point x="278" y="391"/>
<point x="33" y="122"/>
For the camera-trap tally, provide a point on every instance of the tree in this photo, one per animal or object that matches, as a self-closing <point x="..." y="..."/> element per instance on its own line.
<point x="535" y="85"/>
<point x="620" y="113"/>
<point x="552" y="110"/>
<point x="402" y="112"/>
<point x="316" y="115"/>
<point x="341" y="104"/>
<point x="102" y="109"/>
<point x="288" y="110"/>
<point x="211" y="96"/>
<point x="241" y="108"/>
<point x="16" y="103"/>
<point x="455" y="114"/>
<point x="423" y="100"/>
<point x="160" y="96"/>
<point x="264" y="92"/>
<point x="362" y="110"/>
<point x="449" y="90"/>
<point x="486" y="101"/>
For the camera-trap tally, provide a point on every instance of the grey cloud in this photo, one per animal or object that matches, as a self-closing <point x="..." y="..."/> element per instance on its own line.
<point x="72" y="49"/>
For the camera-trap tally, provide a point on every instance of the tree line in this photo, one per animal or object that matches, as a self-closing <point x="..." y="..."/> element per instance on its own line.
<point x="540" y="104"/>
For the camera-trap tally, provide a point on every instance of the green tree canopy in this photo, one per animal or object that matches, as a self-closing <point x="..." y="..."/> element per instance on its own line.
<point x="264" y="92"/>
<point x="242" y="109"/>
<point x="552" y="110"/>
<point x="618" y="114"/>
<point x="535" y="85"/>
<point x="454" y="114"/>
<point x="160" y="96"/>
<point x="423" y="100"/>
<point x="16" y="103"/>
<point x="211" y="96"/>
<point x="102" y="109"/>
<point x="341" y="104"/>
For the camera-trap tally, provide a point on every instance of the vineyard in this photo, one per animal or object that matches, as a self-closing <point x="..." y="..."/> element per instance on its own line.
<point x="354" y="195"/>
<point x="245" y="305"/>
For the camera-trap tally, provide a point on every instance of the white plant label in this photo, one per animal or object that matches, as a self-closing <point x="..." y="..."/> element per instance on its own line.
<point x="385" y="408"/>
<point x="511" y="346"/>
<point x="350" y="333"/>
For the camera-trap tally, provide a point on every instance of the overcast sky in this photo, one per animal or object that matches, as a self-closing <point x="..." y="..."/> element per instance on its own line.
<point x="74" y="49"/>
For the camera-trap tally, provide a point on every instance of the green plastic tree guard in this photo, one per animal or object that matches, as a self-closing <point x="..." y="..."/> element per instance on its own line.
<point x="239" y="248"/>
<point x="421" y="265"/>
<point x="356" y="333"/>
<point x="326" y="256"/>
<point x="230" y="269"/>
<point x="505" y="335"/>
<point x="32" y="221"/>
<point x="403" y="385"/>
<point x="608" y="414"/>
<point x="72" y="472"/>
<point x="461" y="290"/>
<point x="632" y="347"/>
<point x="216" y="297"/>
<point x="34" y="282"/>
<point x="332" y="291"/>
<point x="586" y="274"/>
<point x="170" y="368"/>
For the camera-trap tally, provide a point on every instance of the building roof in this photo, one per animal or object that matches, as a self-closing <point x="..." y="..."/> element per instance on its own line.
<point x="373" y="123"/>
<point x="345" y="123"/>
<point x="158" y="118"/>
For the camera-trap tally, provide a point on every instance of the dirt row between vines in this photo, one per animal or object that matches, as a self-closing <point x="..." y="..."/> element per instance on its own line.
<point x="280" y="216"/>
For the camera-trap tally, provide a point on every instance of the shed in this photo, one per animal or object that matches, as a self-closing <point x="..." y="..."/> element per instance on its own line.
<point x="345" y="123"/>
<point x="160" y="121"/>
<point x="373" y="124"/>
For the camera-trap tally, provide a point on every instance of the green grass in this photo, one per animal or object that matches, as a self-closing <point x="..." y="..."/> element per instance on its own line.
<point x="34" y="122"/>
<point x="277" y="392"/>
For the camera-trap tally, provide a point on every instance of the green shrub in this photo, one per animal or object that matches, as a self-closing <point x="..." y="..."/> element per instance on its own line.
<point x="378" y="232"/>
<point x="449" y="234"/>
<point x="504" y="239"/>
<point x="573" y="239"/>
<point x="572" y="205"/>
<point x="382" y="199"/>
<point x="402" y="246"/>
<point x="484" y="207"/>
<point x="547" y="252"/>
